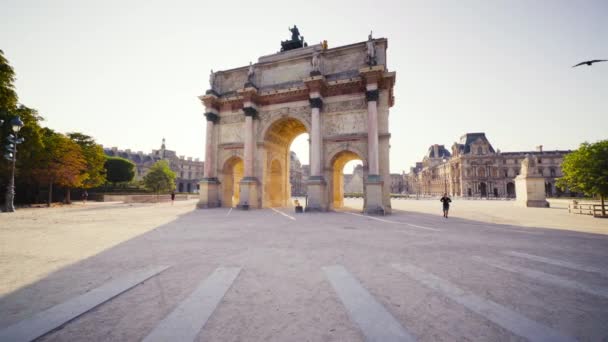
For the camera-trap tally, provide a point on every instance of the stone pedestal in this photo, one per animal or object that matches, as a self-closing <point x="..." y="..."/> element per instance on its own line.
<point x="248" y="196"/>
<point x="530" y="191"/>
<point x="317" y="194"/>
<point x="373" y="196"/>
<point x="209" y="196"/>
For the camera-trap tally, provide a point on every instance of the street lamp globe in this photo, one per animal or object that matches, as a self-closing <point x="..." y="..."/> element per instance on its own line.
<point x="16" y="123"/>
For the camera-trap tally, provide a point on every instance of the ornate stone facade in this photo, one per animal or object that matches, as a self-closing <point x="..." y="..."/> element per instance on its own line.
<point x="475" y="169"/>
<point x="254" y="113"/>
<point x="189" y="171"/>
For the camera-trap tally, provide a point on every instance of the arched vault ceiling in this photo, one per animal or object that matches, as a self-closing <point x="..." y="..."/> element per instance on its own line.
<point x="285" y="130"/>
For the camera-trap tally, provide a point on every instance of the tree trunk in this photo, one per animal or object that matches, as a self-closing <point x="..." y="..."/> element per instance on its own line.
<point x="50" y="200"/>
<point x="603" y="206"/>
<point x="68" y="197"/>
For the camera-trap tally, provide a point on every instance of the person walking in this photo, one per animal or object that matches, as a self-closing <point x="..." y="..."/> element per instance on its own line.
<point x="172" y="197"/>
<point x="446" y="204"/>
<point x="85" y="195"/>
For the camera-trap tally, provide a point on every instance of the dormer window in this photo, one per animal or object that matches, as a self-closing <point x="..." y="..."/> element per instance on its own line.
<point x="479" y="150"/>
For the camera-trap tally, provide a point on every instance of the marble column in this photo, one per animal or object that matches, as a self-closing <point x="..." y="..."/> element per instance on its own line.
<point x="374" y="184"/>
<point x="248" y="197"/>
<point x="315" y="135"/>
<point x="372" y="129"/>
<point x="209" y="150"/>
<point x="316" y="185"/>
<point x="209" y="185"/>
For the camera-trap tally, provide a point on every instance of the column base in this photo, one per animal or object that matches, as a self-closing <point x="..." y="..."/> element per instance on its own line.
<point x="373" y="196"/>
<point x="317" y="194"/>
<point x="209" y="194"/>
<point x="530" y="192"/>
<point x="248" y="197"/>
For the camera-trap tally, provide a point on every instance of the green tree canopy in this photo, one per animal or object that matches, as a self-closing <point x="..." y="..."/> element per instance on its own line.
<point x="30" y="150"/>
<point x="61" y="162"/>
<point x="95" y="173"/>
<point x="119" y="170"/>
<point x="586" y="170"/>
<point x="160" y="177"/>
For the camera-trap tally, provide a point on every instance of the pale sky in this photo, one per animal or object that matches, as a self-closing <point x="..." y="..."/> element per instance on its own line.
<point x="129" y="72"/>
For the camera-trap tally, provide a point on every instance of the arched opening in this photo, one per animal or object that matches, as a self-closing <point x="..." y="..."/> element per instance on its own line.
<point x="232" y="173"/>
<point x="180" y="187"/>
<point x="188" y="187"/>
<point x="510" y="190"/>
<point x="350" y="184"/>
<point x="285" y="166"/>
<point x="483" y="190"/>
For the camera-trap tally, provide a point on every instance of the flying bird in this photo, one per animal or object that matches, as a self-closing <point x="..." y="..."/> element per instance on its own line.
<point x="590" y="62"/>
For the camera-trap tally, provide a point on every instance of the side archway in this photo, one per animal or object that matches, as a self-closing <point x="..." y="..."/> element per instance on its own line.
<point x="231" y="174"/>
<point x="336" y="180"/>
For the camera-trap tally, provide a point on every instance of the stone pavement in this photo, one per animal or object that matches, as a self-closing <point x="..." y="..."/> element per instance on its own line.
<point x="503" y="212"/>
<point x="271" y="275"/>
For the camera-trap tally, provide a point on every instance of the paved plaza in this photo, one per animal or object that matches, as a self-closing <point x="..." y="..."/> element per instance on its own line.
<point x="131" y="272"/>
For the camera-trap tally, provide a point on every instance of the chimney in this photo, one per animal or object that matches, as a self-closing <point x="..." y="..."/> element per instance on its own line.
<point x="539" y="148"/>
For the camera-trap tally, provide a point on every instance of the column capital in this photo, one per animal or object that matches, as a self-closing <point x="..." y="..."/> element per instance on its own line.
<point x="211" y="116"/>
<point x="250" y="110"/>
<point x="316" y="102"/>
<point x="372" y="95"/>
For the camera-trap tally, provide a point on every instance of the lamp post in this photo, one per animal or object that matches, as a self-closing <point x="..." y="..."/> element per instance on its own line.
<point x="11" y="156"/>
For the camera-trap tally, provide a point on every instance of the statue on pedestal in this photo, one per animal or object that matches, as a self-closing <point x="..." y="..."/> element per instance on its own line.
<point x="527" y="166"/>
<point x="371" y="50"/>
<point x="316" y="64"/>
<point x="211" y="79"/>
<point x="250" y="73"/>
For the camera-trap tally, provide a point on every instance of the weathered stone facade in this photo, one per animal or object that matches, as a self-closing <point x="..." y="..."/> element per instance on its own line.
<point x="475" y="169"/>
<point x="339" y="96"/>
<point x="189" y="171"/>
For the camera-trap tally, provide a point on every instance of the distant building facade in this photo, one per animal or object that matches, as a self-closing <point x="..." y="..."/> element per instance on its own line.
<point x="475" y="169"/>
<point x="188" y="171"/>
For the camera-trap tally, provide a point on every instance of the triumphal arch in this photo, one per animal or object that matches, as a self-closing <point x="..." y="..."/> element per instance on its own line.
<point x="340" y="96"/>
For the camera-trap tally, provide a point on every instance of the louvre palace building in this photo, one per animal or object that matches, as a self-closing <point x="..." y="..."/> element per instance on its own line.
<point x="473" y="168"/>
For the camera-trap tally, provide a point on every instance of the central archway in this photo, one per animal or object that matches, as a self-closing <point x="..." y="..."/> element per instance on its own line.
<point x="278" y="138"/>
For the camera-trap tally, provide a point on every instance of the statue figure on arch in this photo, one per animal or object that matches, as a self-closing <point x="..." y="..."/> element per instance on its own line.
<point x="371" y="50"/>
<point x="316" y="64"/>
<point x="211" y="79"/>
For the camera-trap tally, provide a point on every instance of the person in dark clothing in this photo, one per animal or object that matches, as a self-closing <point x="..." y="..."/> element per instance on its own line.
<point x="172" y="197"/>
<point x="446" y="204"/>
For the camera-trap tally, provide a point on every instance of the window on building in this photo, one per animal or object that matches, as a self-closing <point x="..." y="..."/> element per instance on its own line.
<point x="552" y="172"/>
<point x="540" y="171"/>
<point x="540" y="160"/>
<point x="479" y="150"/>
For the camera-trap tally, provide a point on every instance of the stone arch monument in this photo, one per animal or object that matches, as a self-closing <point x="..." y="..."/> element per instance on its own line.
<point x="340" y="97"/>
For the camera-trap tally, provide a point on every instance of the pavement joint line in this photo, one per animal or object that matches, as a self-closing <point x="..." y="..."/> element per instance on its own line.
<point x="556" y="262"/>
<point x="229" y="211"/>
<point x="513" y="321"/>
<point x="546" y="277"/>
<point x="50" y="319"/>
<point x="394" y="222"/>
<point x="190" y="316"/>
<point x="282" y="213"/>
<point x="374" y="321"/>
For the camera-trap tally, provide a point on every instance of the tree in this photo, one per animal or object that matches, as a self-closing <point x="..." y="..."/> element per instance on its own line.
<point x="30" y="150"/>
<point x="61" y="163"/>
<point x="160" y="177"/>
<point x="95" y="173"/>
<point x="586" y="170"/>
<point x="119" y="170"/>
